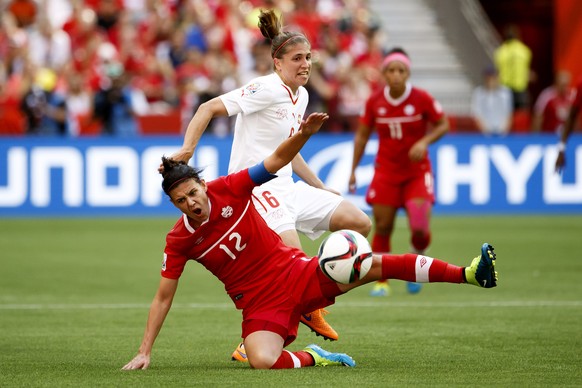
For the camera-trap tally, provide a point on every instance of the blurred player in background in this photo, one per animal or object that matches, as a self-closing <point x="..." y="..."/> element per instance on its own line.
<point x="553" y="104"/>
<point x="402" y="115"/>
<point x="270" y="109"/>
<point x="569" y="127"/>
<point x="273" y="284"/>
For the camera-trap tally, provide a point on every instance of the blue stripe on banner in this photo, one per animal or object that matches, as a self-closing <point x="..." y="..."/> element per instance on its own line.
<point x="118" y="177"/>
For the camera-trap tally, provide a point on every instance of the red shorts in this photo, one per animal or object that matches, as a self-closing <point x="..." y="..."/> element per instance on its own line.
<point x="385" y="191"/>
<point x="279" y="311"/>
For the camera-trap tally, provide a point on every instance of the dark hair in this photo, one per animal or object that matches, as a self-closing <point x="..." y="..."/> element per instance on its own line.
<point x="271" y="28"/>
<point x="398" y="50"/>
<point x="176" y="172"/>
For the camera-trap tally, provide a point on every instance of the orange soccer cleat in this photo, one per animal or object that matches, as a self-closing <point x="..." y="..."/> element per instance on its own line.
<point x="239" y="353"/>
<point x="318" y="325"/>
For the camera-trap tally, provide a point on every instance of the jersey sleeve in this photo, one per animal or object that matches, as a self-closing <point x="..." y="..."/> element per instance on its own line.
<point x="173" y="264"/>
<point x="433" y="109"/>
<point x="252" y="97"/>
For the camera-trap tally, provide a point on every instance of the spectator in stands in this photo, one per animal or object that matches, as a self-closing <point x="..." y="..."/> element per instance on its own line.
<point x="49" y="47"/>
<point x="553" y="104"/>
<point x="24" y="11"/>
<point x="84" y="35"/>
<point x="513" y="61"/>
<point x="44" y="107"/>
<point x="79" y="100"/>
<point x="114" y="105"/>
<point x="492" y="105"/>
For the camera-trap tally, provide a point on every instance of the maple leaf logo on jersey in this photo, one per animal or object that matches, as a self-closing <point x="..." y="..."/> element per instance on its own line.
<point x="226" y="212"/>
<point x="251" y="89"/>
<point x="409" y="110"/>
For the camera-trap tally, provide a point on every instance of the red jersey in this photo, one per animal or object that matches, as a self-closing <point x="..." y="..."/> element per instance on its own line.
<point x="553" y="108"/>
<point x="235" y="243"/>
<point x="578" y="97"/>
<point x="400" y="123"/>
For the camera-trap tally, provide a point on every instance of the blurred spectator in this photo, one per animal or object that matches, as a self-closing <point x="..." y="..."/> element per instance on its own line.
<point x="44" y="107"/>
<point x="175" y="53"/>
<point x="11" y="91"/>
<point x="49" y="47"/>
<point x="513" y="61"/>
<point x="24" y="12"/>
<point x="79" y="102"/>
<point x="262" y="63"/>
<point x="553" y="104"/>
<point x="85" y="37"/>
<point x="491" y="105"/>
<point x="114" y="105"/>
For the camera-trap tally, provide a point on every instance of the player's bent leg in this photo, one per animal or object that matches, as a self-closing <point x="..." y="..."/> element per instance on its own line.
<point x="263" y="349"/>
<point x="349" y="216"/>
<point x="318" y="324"/>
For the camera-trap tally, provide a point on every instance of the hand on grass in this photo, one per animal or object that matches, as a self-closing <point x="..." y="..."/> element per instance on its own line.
<point x="141" y="361"/>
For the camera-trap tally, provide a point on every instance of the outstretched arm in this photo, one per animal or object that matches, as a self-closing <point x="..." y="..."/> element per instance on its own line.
<point x="291" y="146"/>
<point x="158" y="312"/>
<point x="568" y="129"/>
<point x="197" y="126"/>
<point x="303" y="171"/>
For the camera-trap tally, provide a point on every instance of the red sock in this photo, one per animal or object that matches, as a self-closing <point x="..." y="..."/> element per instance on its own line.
<point x="420" y="241"/>
<point x="381" y="243"/>
<point x="289" y="360"/>
<point x="420" y="269"/>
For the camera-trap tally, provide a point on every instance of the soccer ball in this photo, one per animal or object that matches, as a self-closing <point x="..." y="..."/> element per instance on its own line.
<point x="345" y="256"/>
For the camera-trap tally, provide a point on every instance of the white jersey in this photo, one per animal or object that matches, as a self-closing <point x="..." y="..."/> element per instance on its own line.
<point x="267" y="113"/>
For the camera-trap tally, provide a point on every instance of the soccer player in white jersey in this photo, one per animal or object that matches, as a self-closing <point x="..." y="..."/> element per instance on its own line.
<point x="270" y="109"/>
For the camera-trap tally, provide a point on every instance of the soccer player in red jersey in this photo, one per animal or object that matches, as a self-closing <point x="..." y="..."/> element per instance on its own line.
<point x="272" y="283"/>
<point x="569" y="126"/>
<point x="553" y="104"/>
<point x="407" y="120"/>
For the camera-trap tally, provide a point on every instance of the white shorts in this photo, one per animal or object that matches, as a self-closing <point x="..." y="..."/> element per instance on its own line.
<point x="286" y="205"/>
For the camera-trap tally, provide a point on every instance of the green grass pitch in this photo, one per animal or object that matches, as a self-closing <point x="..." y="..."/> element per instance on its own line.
<point x="74" y="297"/>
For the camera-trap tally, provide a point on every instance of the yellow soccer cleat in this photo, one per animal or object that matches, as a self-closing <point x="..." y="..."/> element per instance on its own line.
<point x="381" y="288"/>
<point x="482" y="270"/>
<point x="325" y="358"/>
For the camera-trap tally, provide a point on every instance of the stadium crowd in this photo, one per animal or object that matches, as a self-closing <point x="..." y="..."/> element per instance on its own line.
<point x="119" y="67"/>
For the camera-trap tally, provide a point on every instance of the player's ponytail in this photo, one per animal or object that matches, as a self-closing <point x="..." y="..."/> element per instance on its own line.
<point x="272" y="29"/>
<point x="176" y="172"/>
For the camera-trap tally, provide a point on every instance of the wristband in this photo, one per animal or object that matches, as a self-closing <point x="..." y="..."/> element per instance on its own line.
<point x="561" y="146"/>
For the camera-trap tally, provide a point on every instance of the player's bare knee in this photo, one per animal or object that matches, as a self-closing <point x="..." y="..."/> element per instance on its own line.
<point x="363" y="224"/>
<point x="260" y="360"/>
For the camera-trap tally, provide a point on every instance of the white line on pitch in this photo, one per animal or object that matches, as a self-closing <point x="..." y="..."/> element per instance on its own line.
<point x="138" y="306"/>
